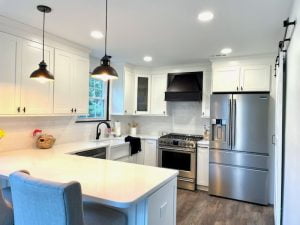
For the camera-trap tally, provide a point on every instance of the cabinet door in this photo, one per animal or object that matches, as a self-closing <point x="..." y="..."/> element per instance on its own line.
<point x="62" y="86"/>
<point x="141" y="155"/>
<point x="80" y="85"/>
<point x="9" y="49"/>
<point x="143" y="88"/>
<point x="36" y="97"/>
<point x="129" y="88"/>
<point x="256" y="78"/>
<point x="226" y="79"/>
<point x="158" y="89"/>
<point x="202" y="166"/>
<point x="150" y="153"/>
<point x="206" y="95"/>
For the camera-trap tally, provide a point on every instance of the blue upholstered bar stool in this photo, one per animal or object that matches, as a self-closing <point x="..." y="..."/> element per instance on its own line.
<point x="6" y="212"/>
<point x="39" y="202"/>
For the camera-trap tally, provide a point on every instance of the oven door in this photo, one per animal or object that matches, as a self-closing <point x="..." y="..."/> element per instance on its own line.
<point x="182" y="160"/>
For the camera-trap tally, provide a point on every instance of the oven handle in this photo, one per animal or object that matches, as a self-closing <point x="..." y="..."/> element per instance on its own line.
<point x="185" y="179"/>
<point x="177" y="149"/>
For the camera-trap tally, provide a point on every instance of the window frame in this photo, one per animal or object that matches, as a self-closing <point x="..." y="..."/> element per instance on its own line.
<point x="106" y="103"/>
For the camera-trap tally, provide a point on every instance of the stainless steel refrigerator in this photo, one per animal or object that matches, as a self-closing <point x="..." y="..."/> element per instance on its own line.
<point x="238" y="157"/>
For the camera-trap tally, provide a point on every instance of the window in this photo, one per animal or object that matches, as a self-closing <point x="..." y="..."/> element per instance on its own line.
<point x="97" y="101"/>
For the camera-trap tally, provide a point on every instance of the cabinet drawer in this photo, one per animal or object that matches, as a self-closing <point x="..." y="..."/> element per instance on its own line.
<point x="238" y="183"/>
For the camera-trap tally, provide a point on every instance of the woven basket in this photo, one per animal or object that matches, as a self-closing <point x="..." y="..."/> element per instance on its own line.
<point x="45" y="141"/>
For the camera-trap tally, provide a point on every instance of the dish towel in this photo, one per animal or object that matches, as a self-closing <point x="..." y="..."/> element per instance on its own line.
<point x="135" y="144"/>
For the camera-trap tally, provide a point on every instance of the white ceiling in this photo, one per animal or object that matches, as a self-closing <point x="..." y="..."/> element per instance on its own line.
<point x="168" y="30"/>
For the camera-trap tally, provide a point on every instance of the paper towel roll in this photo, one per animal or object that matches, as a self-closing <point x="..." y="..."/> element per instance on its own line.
<point x="118" y="128"/>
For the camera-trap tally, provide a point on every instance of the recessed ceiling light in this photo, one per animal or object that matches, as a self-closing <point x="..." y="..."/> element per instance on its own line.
<point x="96" y="34"/>
<point x="147" y="58"/>
<point x="205" y="16"/>
<point x="226" y="51"/>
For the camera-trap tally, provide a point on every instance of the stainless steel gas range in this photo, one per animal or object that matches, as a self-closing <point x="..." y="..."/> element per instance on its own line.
<point x="179" y="151"/>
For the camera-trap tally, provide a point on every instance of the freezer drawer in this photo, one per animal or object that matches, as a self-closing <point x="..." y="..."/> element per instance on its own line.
<point x="238" y="183"/>
<point x="236" y="158"/>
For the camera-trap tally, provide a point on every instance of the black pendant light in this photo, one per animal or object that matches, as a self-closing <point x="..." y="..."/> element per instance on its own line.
<point x="42" y="73"/>
<point x="105" y="71"/>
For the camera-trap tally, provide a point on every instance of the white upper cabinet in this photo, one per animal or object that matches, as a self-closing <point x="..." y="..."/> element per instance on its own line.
<point x="142" y="96"/>
<point x="122" y="92"/>
<point x="129" y="92"/>
<point x="36" y="97"/>
<point x="9" y="48"/>
<point x="252" y="75"/>
<point x="206" y="91"/>
<point x="158" y="89"/>
<point x="80" y="85"/>
<point x="25" y="96"/>
<point x="226" y="79"/>
<point x="255" y="78"/>
<point x="63" y="103"/>
<point x="71" y="83"/>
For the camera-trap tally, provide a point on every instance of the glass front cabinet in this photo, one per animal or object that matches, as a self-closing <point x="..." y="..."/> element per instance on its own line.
<point x="142" y="99"/>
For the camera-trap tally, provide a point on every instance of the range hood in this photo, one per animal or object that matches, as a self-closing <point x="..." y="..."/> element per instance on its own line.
<point x="184" y="86"/>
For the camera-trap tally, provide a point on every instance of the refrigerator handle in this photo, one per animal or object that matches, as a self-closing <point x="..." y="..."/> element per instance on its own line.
<point x="233" y="132"/>
<point x="229" y="124"/>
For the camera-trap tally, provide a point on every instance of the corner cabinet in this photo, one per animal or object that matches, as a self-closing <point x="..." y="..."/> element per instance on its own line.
<point x="252" y="78"/>
<point x="71" y="83"/>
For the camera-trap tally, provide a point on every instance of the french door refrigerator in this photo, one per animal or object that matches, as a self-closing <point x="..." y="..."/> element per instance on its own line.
<point x="238" y="156"/>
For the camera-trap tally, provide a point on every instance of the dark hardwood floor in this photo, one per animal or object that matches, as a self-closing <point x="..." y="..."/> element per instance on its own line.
<point x="198" y="208"/>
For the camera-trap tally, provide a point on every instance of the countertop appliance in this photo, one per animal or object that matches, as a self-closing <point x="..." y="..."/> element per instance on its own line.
<point x="238" y="157"/>
<point x="179" y="151"/>
<point x="99" y="153"/>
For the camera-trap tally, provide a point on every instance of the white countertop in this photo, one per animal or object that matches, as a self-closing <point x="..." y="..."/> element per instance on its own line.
<point x="112" y="183"/>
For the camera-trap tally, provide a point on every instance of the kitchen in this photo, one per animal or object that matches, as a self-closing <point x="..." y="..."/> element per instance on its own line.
<point x="212" y="120"/>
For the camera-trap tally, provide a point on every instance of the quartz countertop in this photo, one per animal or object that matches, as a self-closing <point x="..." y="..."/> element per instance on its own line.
<point x="112" y="183"/>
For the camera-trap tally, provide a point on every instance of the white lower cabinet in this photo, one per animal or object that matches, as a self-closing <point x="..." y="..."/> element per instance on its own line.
<point x="202" y="165"/>
<point x="161" y="206"/>
<point x="150" y="151"/>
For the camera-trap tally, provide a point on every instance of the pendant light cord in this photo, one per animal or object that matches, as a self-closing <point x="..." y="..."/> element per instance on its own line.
<point x="44" y="34"/>
<point x="106" y="27"/>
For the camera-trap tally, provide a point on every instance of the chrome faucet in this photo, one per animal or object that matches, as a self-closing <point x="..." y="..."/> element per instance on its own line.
<point x="98" y="132"/>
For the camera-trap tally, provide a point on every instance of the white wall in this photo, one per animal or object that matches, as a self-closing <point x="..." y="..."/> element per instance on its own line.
<point x="19" y="130"/>
<point x="291" y="215"/>
<point x="184" y="117"/>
